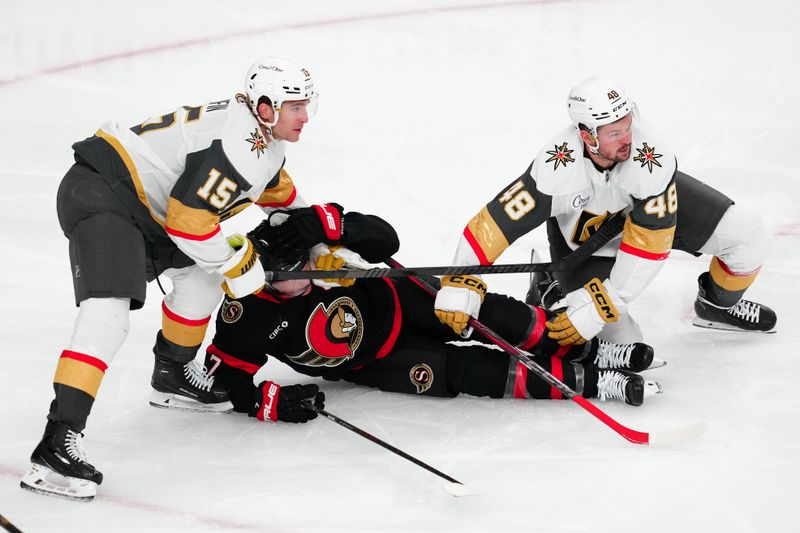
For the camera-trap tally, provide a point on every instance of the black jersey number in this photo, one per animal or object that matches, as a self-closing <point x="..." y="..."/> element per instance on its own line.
<point x="165" y="121"/>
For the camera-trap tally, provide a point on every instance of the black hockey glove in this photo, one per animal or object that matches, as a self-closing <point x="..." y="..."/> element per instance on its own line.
<point x="273" y="402"/>
<point x="305" y="227"/>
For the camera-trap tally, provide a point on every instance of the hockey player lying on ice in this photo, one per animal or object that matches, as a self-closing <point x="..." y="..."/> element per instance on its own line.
<point x="383" y="333"/>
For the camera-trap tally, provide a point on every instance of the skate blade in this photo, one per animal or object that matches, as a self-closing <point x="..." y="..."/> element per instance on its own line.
<point x="651" y="388"/>
<point x="167" y="400"/>
<point x="708" y="324"/>
<point x="657" y="363"/>
<point x="43" y="480"/>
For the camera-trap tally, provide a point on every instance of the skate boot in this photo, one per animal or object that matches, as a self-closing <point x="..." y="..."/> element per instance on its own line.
<point x="636" y="356"/>
<point x="59" y="466"/>
<point x="744" y="316"/>
<point x="187" y="387"/>
<point x="623" y="385"/>
<point x="544" y="289"/>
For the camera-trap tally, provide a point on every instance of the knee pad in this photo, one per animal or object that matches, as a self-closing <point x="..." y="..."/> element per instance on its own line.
<point x="101" y="327"/>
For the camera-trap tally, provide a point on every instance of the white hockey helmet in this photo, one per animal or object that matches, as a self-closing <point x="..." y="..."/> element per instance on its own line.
<point x="279" y="79"/>
<point x="596" y="102"/>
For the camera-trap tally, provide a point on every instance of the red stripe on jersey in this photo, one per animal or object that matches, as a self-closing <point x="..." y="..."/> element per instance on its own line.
<point x="396" y="323"/>
<point x="562" y="351"/>
<point x="521" y="383"/>
<point x="84" y="358"/>
<point x="537" y="330"/>
<point x="557" y="370"/>
<point x="628" y="249"/>
<point x="190" y="237"/>
<point x="473" y="243"/>
<point x="181" y="320"/>
<point x="250" y="368"/>
<point x="284" y="203"/>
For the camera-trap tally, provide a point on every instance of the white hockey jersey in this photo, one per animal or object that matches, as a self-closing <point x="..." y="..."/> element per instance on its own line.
<point x="184" y="172"/>
<point x="564" y="183"/>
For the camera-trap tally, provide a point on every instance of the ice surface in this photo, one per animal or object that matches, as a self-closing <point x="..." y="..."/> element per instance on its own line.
<point x="427" y="109"/>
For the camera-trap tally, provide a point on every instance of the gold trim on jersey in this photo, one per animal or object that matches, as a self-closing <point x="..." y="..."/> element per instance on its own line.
<point x="728" y="280"/>
<point x="280" y="193"/>
<point x="190" y="220"/>
<point x="79" y="375"/>
<point x="182" y="334"/>
<point x="488" y="234"/>
<point x="132" y="171"/>
<point x="655" y="241"/>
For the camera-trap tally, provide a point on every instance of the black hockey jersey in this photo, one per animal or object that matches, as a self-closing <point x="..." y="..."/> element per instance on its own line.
<point x="325" y="331"/>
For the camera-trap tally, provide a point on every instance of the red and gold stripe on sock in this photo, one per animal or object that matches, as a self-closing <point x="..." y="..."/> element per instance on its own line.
<point x="180" y="330"/>
<point x="729" y="280"/>
<point x="80" y="371"/>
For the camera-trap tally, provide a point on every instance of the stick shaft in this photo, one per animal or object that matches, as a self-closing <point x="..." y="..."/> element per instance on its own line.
<point x="379" y="442"/>
<point x="632" y="435"/>
<point x="607" y="231"/>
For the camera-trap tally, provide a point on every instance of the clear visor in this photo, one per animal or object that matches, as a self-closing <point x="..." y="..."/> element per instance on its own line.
<point x="298" y="108"/>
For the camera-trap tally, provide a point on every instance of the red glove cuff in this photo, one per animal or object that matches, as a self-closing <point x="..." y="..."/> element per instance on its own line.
<point x="269" y="401"/>
<point x="331" y="221"/>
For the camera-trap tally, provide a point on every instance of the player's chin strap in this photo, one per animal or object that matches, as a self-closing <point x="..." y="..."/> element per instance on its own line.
<point x="607" y="231"/>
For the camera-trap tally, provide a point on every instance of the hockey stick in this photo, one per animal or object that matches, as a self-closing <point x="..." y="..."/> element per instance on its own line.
<point x="8" y="526"/>
<point x="454" y="487"/>
<point x="607" y="231"/>
<point x="632" y="435"/>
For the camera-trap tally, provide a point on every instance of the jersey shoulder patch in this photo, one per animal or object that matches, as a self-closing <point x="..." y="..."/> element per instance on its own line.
<point x="255" y="158"/>
<point x="651" y="165"/>
<point x="558" y="167"/>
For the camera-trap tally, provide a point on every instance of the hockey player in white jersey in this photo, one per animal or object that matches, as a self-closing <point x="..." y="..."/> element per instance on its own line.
<point x="148" y="200"/>
<point x="610" y="163"/>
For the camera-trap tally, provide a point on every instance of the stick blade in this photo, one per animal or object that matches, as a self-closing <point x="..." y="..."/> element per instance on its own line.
<point x="459" y="490"/>
<point x="678" y="435"/>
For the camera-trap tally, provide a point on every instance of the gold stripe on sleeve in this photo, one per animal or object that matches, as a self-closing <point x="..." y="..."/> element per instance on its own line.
<point x="656" y="241"/>
<point x="488" y="235"/>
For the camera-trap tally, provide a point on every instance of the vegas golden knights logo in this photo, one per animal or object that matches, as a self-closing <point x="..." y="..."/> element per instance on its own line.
<point x="333" y="334"/>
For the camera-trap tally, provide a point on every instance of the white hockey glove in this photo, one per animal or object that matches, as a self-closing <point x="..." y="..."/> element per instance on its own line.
<point x="243" y="272"/>
<point x="588" y="309"/>
<point x="459" y="299"/>
<point x="324" y="257"/>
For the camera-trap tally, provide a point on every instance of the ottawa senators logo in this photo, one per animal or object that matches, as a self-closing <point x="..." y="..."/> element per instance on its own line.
<point x="231" y="311"/>
<point x="333" y="334"/>
<point x="421" y="376"/>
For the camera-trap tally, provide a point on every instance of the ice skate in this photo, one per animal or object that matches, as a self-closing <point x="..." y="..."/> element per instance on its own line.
<point x="636" y="356"/>
<point x="627" y="386"/>
<point x="59" y="466"/>
<point x="186" y="387"/>
<point x="744" y="316"/>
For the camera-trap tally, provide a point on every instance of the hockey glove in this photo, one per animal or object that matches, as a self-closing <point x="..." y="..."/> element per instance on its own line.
<point x="336" y="258"/>
<point x="588" y="310"/>
<point x="302" y="228"/>
<point x="459" y="299"/>
<point x="273" y="402"/>
<point x="243" y="272"/>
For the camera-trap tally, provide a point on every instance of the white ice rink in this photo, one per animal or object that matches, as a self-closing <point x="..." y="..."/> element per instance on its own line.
<point x="427" y="109"/>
